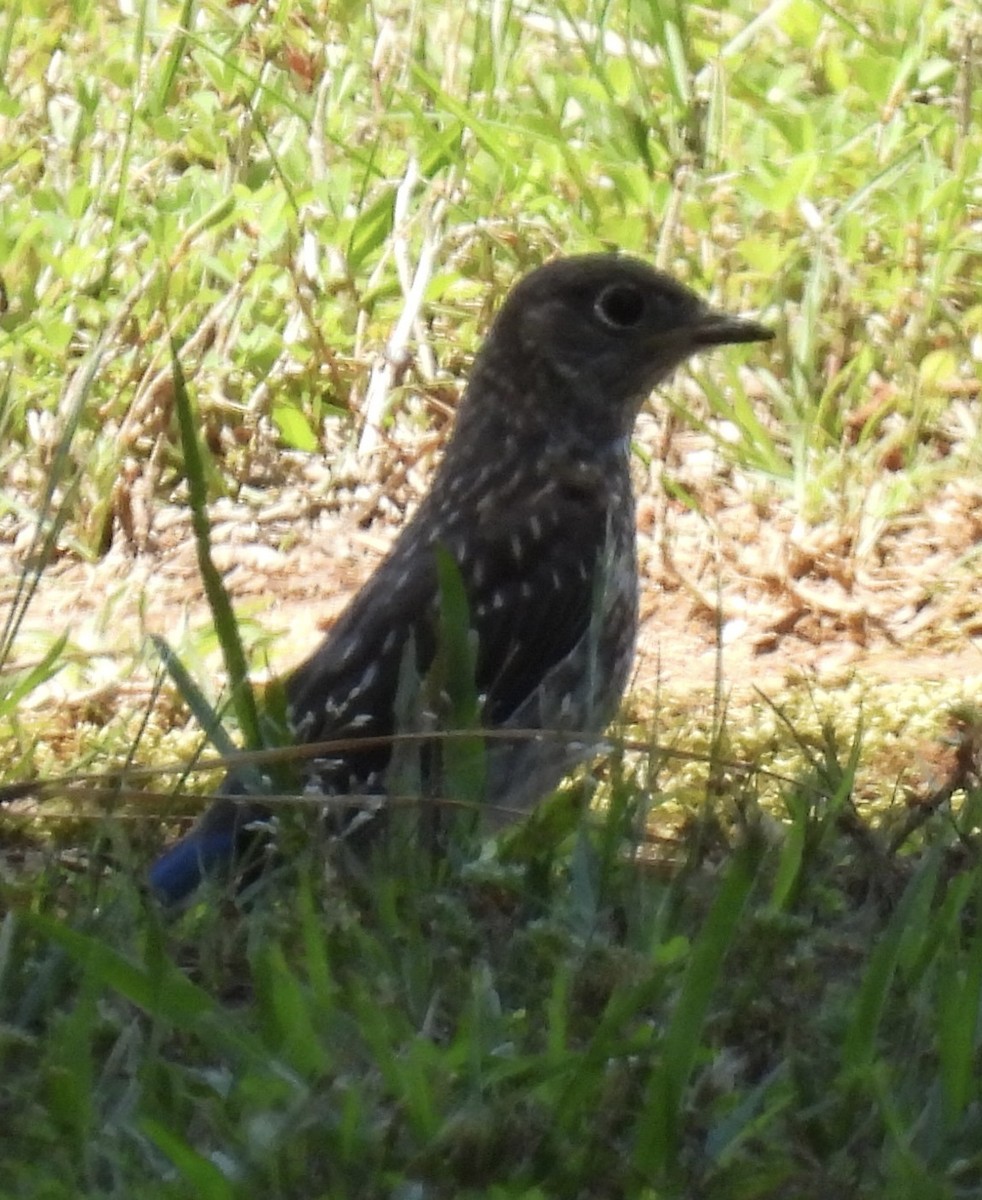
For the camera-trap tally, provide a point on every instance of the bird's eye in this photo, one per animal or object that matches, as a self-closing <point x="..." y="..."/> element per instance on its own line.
<point x="620" y="306"/>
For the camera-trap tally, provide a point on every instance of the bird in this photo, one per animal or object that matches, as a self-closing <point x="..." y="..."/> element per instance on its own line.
<point x="533" y="505"/>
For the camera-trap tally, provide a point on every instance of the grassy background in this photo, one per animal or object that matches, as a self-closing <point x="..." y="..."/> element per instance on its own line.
<point x="786" y="1003"/>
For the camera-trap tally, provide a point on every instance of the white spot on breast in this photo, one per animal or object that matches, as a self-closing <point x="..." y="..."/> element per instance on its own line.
<point x="302" y="727"/>
<point x="498" y="600"/>
<point x="350" y="648"/>
<point x="363" y="684"/>
<point x="327" y="764"/>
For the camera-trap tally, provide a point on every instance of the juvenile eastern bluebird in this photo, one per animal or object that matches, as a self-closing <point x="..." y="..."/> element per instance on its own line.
<point x="533" y="502"/>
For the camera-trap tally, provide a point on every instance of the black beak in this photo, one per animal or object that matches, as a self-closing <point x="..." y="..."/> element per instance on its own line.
<point x="714" y="328"/>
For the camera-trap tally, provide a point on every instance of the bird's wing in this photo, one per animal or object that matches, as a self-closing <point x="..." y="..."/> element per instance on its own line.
<point x="348" y="687"/>
<point x="530" y="568"/>
<point x="527" y="561"/>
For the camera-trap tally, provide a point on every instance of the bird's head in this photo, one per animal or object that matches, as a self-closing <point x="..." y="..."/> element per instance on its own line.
<point x="595" y="333"/>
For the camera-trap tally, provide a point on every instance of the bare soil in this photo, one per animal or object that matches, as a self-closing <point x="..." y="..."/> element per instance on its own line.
<point x="737" y="574"/>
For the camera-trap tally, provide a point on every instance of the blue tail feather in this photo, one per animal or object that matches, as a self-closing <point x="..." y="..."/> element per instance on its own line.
<point x="227" y="836"/>
<point x="184" y="866"/>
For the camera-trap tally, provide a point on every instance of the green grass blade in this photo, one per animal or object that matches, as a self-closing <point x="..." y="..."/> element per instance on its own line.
<point x="959" y="1006"/>
<point x="205" y="1179"/>
<point x="202" y="709"/>
<point x="226" y="626"/>
<point x="660" y="1121"/>
<point x="452" y="675"/>
<point x="22" y="683"/>
<point x="859" y="1047"/>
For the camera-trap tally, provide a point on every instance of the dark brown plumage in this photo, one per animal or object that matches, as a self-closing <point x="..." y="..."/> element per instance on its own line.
<point x="533" y="502"/>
